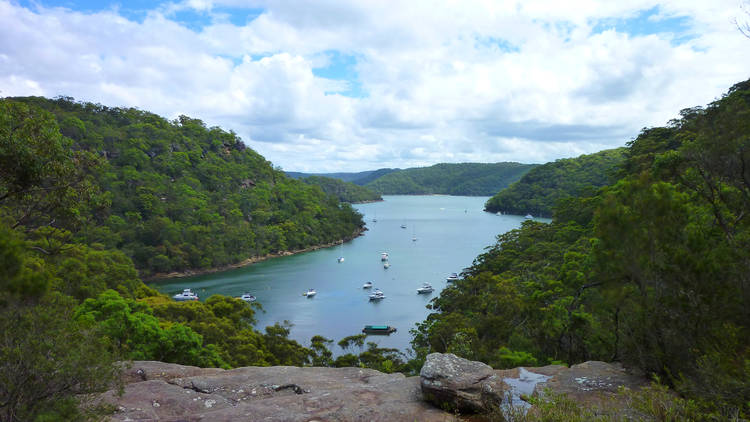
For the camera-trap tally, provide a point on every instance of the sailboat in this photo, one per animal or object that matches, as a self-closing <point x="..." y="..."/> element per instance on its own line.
<point x="340" y="259"/>
<point x="413" y="234"/>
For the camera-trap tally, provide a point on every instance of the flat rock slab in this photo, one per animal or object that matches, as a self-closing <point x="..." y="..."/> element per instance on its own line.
<point x="278" y="393"/>
<point x="455" y="383"/>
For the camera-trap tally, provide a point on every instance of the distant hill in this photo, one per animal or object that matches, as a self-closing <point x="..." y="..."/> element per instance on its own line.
<point x="344" y="191"/>
<point x="540" y="189"/>
<point x="470" y="179"/>
<point x="360" y="178"/>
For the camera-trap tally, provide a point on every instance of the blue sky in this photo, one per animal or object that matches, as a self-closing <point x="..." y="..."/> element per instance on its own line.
<point x="337" y="85"/>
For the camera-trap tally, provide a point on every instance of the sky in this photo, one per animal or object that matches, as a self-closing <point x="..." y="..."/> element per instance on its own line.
<point x="329" y="85"/>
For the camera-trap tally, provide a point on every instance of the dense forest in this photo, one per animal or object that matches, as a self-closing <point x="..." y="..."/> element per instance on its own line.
<point x="86" y="191"/>
<point x="343" y="191"/>
<point x="652" y="270"/>
<point x="469" y="179"/>
<point x="176" y="195"/>
<point x="542" y="187"/>
<point x="359" y="178"/>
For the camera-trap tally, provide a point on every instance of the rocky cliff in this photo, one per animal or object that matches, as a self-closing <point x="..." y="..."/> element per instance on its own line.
<point x="447" y="386"/>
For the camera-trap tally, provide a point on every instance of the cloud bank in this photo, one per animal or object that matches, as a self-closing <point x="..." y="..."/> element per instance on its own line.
<point x="350" y="86"/>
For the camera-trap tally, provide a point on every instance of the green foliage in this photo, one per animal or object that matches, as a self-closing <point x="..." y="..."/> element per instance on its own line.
<point x="343" y="191"/>
<point x="470" y="179"/>
<point x="542" y="187"/>
<point x="169" y="185"/>
<point x="652" y="270"/>
<point x="50" y="362"/>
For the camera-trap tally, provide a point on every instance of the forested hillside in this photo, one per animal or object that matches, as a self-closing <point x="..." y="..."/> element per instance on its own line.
<point x="77" y="185"/>
<point x="344" y="191"/>
<point x="543" y="186"/>
<point x="181" y="196"/>
<point x="652" y="270"/>
<point x="470" y="179"/>
<point x="358" y="178"/>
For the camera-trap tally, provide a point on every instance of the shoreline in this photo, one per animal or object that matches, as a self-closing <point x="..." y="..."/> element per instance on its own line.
<point x="250" y="261"/>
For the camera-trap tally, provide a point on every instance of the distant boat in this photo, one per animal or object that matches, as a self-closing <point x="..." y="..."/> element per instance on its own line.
<point x="403" y="226"/>
<point x="384" y="256"/>
<point x="247" y="297"/>
<point x="426" y="288"/>
<point x="186" y="295"/>
<point x="310" y="293"/>
<point x="377" y="295"/>
<point x="529" y="216"/>
<point x="378" y="329"/>
<point x="386" y="265"/>
<point x="340" y="259"/>
<point x="367" y="285"/>
<point x="452" y="277"/>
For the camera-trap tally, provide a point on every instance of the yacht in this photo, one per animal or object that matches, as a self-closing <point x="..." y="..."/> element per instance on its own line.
<point x="529" y="216"/>
<point x="426" y="288"/>
<point x="310" y="293"/>
<point x="452" y="277"/>
<point x="384" y="256"/>
<point x="386" y="265"/>
<point x="247" y="297"/>
<point x="186" y="294"/>
<point x="403" y="226"/>
<point x="377" y="295"/>
<point x="340" y="259"/>
<point x="367" y="285"/>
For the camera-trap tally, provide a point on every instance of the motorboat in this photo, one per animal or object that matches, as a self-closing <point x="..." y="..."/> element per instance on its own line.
<point x="403" y="226"/>
<point x="186" y="295"/>
<point x="378" y="329"/>
<point x="426" y="288"/>
<point x="384" y="256"/>
<point x="529" y="216"/>
<point x="452" y="277"/>
<point x="310" y="293"/>
<point x="386" y="265"/>
<point x="247" y="297"/>
<point x="340" y="259"/>
<point x="377" y="295"/>
<point x="367" y="285"/>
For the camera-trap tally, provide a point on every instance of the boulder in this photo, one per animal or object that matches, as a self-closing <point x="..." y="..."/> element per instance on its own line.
<point x="281" y="393"/>
<point x="455" y="383"/>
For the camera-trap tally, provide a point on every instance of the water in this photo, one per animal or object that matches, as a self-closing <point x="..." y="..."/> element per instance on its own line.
<point x="450" y="231"/>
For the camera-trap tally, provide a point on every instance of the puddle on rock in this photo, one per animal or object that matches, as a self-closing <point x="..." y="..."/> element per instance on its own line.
<point x="523" y="385"/>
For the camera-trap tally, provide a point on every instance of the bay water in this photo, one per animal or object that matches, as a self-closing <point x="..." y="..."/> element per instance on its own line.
<point x="442" y="235"/>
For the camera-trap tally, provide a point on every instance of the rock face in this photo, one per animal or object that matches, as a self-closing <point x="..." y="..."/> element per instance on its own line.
<point x="454" y="383"/>
<point x="167" y="392"/>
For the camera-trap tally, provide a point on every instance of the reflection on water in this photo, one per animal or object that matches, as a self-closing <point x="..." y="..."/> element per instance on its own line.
<point x="451" y="230"/>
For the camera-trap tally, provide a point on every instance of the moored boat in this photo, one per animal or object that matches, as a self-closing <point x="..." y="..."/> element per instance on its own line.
<point x="247" y="297"/>
<point x="310" y="293"/>
<point x="378" y="329"/>
<point x="452" y="277"/>
<point x="426" y="288"/>
<point x="384" y="256"/>
<point x="367" y="285"/>
<point x="186" y="294"/>
<point x="377" y="295"/>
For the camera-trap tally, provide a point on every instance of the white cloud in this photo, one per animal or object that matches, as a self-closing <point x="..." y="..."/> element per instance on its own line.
<point x="527" y="81"/>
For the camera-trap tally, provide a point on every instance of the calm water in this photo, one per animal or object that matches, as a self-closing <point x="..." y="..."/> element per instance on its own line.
<point x="450" y="231"/>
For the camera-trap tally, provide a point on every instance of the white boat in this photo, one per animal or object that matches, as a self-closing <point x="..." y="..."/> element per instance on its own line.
<point x="377" y="295"/>
<point x="384" y="256"/>
<point x="247" y="297"/>
<point x="340" y="259"/>
<point x="426" y="288"/>
<point x="367" y="285"/>
<point x="386" y="265"/>
<point x="310" y="293"/>
<point x="529" y="216"/>
<point x="403" y="226"/>
<point x="185" y="295"/>
<point x="452" y="277"/>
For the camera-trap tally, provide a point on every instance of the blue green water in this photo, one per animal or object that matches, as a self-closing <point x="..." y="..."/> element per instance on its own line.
<point x="450" y="231"/>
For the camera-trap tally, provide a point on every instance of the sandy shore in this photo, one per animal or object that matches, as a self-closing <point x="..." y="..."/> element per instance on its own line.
<point x="249" y="261"/>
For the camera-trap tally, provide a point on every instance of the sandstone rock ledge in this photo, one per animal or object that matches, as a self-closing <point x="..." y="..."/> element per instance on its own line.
<point x="169" y="392"/>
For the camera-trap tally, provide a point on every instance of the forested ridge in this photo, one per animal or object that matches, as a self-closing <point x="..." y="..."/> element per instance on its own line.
<point x="344" y="191"/>
<point x="652" y="270"/>
<point x="86" y="191"/>
<point x="468" y="179"/>
<point x="542" y="187"/>
<point x="184" y="196"/>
